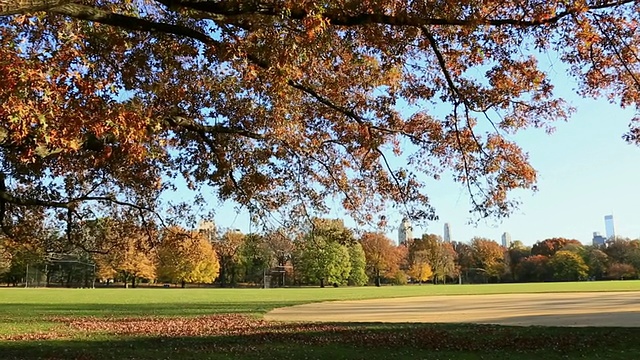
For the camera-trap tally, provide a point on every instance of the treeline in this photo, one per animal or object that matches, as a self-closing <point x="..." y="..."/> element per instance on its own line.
<point x="325" y="254"/>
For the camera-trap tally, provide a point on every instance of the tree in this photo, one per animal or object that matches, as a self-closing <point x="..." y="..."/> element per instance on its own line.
<point x="332" y="230"/>
<point x="516" y="253"/>
<point x="568" y="266"/>
<point x="255" y="257"/>
<point x="105" y="269"/>
<point x="228" y="249"/>
<point x="549" y="247"/>
<point x="465" y="258"/>
<point x="420" y="269"/>
<point x="358" y="260"/>
<point x="441" y="256"/>
<point x="621" y="250"/>
<point x="130" y="260"/>
<point x="5" y="259"/>
<point x="490" y="257"/>
<point x="323" y="262"/>
<point x="533" y="268"/>
<point x="186" y="257"/>
<point x="619" y="271"/>
<point x="131" y="91"/>
<point x="281" y="248"/>
<point x="381" y="255"/>
<point x="597" y="261"/>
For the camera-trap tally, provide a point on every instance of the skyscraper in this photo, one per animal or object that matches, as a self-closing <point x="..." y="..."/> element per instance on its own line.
<point x="598" y="240"/>
<point x="447" y="232"/>
<point x="405" y="231"/>
<point x="506" y="239"/>
<point x="608" y="226"/>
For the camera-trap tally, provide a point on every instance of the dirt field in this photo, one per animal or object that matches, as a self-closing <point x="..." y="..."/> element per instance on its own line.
<point x="554" y="309"/>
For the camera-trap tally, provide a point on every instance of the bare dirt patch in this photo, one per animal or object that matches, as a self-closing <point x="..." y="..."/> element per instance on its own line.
<point x="549" y="309"/>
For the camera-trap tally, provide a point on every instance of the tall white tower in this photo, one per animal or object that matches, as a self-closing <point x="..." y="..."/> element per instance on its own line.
<point x="506" y="239"/>
<point x="447" y="232"/>
<point x="405" y="231"/>
<point x="610" y="230"/>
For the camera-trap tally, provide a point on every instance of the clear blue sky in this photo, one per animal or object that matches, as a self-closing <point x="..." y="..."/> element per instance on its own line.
<point x="585" y="171"/>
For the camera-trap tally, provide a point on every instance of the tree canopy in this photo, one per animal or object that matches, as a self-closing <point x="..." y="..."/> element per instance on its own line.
<point x="283" y="103"/>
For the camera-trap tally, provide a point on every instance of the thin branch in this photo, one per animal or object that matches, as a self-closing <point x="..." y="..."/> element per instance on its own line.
<point x="189" y="124"/>
<point x="618" y="55"/>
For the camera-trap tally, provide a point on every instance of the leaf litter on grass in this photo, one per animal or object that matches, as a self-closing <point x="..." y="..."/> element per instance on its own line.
<point x="236" y="331"/>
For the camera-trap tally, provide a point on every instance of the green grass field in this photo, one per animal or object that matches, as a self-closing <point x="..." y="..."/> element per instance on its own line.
<point x="177" y="323"/>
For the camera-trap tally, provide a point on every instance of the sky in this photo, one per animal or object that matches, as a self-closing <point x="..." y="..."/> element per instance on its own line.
<point x="585" y="171"/>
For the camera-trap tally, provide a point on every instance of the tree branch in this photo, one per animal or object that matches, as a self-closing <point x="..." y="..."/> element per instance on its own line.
<point x="188" y="124"/>
<point x="14" y="7"/>
<point x="342" y="18"/>
<point x="90" y="13"/>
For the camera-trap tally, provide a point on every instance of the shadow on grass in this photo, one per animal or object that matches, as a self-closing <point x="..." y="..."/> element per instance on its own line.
<point x="29" y="311"/>
<point x="339" y="341"/>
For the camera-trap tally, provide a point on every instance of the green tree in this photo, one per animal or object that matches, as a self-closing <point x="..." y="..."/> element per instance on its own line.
<point x="597" y="261"/>
<point x="357" y="257"/>
<point x="332" y="230"/>
<point x="255" y="257"/>
<point x="568" y="266"/>
<point x="324" y="262"/>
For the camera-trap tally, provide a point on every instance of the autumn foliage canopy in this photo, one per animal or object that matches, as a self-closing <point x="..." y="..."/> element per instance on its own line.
<point x="280" y="104"/>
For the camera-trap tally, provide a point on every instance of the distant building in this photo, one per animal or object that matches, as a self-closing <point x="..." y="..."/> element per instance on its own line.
<point x="208" y="228"/>
<point x="506" y="239"/>
<point x="610" y="230"/>
<point x="447" y="232"/>
<point x="405" y="231"/>
<point x="598" y="239"/>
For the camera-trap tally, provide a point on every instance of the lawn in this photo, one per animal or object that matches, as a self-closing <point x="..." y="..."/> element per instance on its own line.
<point x="195" y="323"/>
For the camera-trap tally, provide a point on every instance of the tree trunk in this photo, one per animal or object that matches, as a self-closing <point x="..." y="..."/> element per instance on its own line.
<point x="133" y="282"/>
<point x="378" y="278"/>
<point x="321" y="283"/>
<point x="223" y="273"/>
<point x="184" y="284"/>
